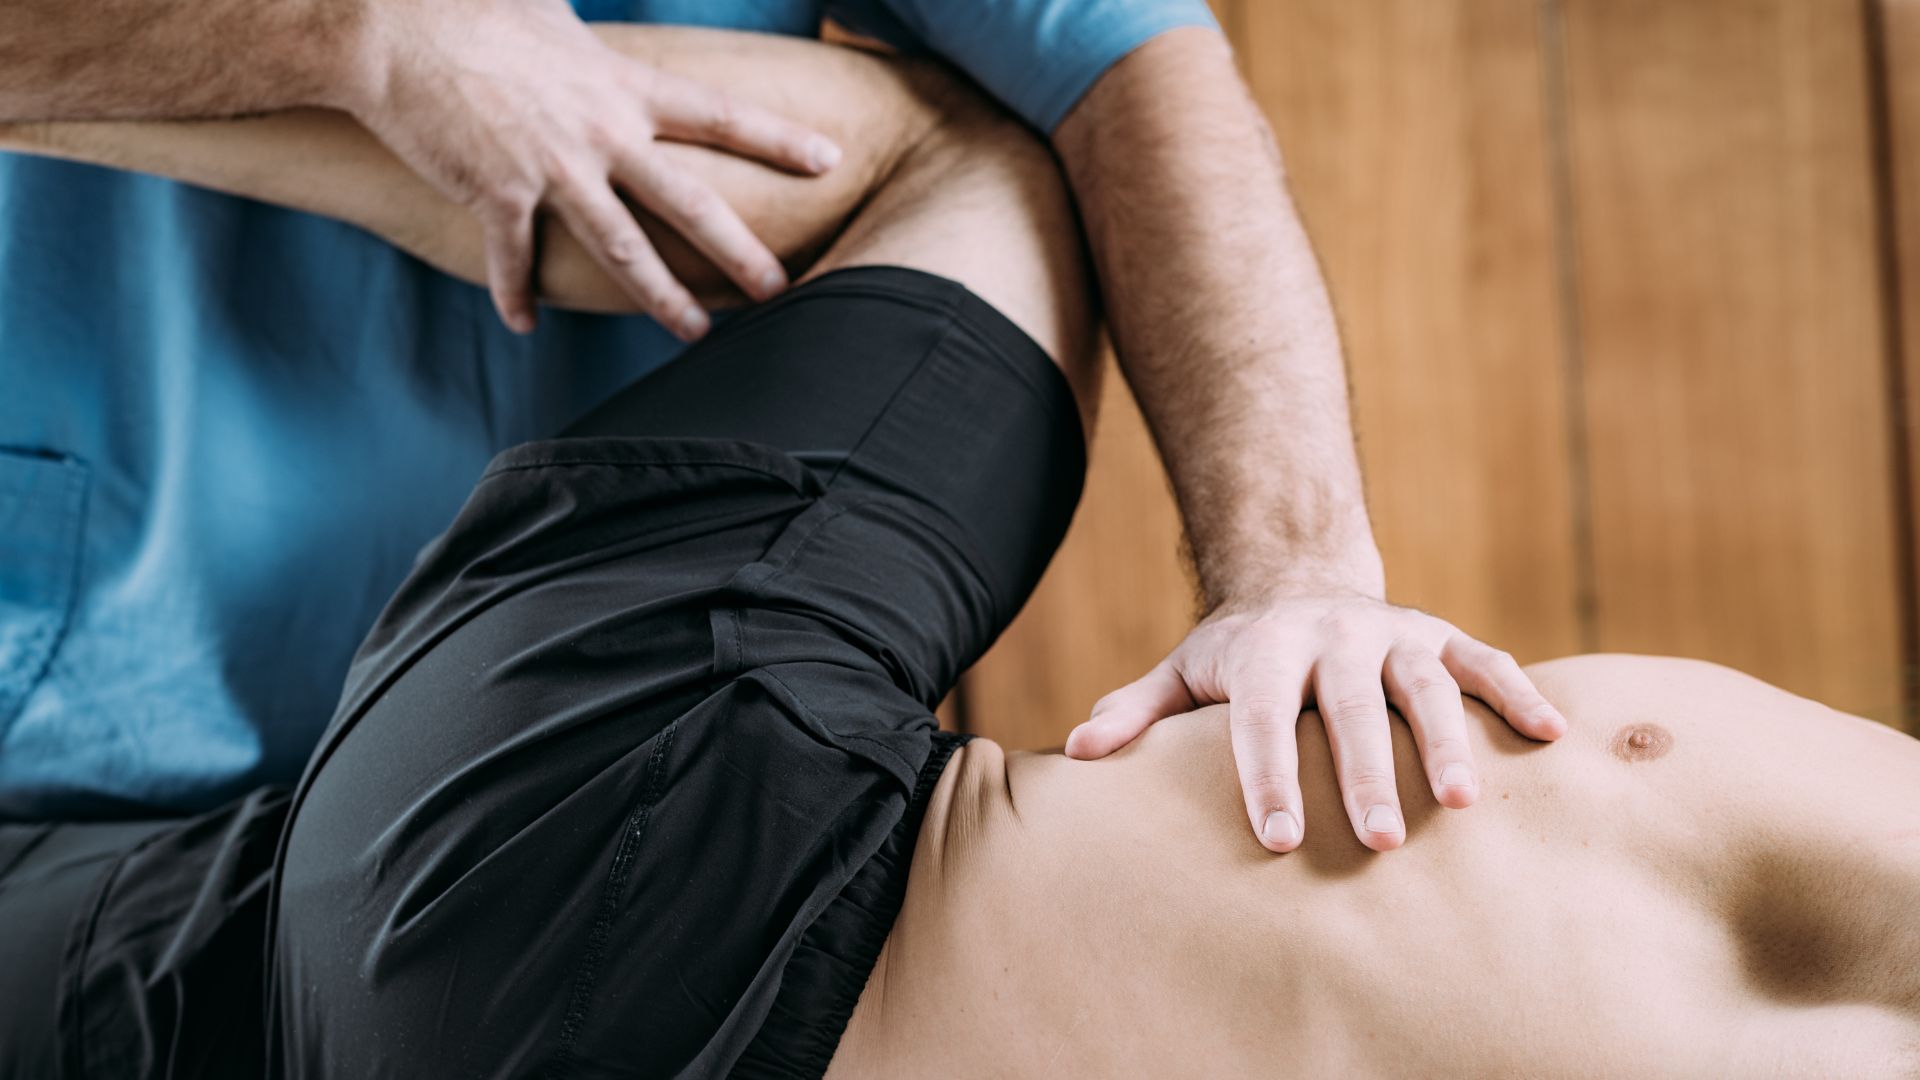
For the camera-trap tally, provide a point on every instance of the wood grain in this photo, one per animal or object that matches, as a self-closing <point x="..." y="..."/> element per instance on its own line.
<point x="1416" y="140"/>
<point x="1728" y="284"/>
<point x="1899" y="25"/>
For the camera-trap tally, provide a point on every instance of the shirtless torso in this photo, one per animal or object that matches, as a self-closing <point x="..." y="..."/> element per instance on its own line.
<point x="1708" y="876"/>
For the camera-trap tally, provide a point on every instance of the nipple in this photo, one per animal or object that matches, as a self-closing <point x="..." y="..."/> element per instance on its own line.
<point x="1641" y="742"/>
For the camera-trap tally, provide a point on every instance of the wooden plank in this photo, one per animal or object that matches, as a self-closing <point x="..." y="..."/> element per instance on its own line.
<point x="1899" y="70"/>
<point x="1728" y="285"/>
<point x="1416" y="140"/>
<point x="1415" y="136"/>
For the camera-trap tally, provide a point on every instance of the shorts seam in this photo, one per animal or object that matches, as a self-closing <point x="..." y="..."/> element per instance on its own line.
<point x="881" y="414"/>
<point x="957" y="539"/>
<point x="798" y="702"/>
<point x="71" y="1015"/>
<point x="632" y="832"/>
<point x="721" y="463"/>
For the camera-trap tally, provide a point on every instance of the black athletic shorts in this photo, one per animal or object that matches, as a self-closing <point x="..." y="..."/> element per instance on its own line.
<point x="627" y="778"/>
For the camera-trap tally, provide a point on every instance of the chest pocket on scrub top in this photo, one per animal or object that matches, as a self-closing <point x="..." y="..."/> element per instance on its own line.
<point x="43" y="501"/>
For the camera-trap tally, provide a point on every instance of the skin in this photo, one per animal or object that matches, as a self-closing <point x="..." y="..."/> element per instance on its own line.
<point x="1743" y="902"/>
<point x="325" y="162"/>
<point x="513" y="111"/>
<point x="1676" y="891"/>
<point x="938" y="179"/>
<point x="507" y="108"/>
<point x="1221" y="322"/>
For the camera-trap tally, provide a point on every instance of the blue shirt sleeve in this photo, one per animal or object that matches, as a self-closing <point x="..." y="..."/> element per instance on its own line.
<point x="1037" y="56"/>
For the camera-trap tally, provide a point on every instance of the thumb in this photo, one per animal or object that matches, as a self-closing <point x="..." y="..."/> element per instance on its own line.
<point x="1121" y="716"/>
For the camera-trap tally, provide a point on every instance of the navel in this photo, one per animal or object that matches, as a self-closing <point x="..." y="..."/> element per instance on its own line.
<point x="1641" y="742"/>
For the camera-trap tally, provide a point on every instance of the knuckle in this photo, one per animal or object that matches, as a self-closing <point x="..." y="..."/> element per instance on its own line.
<point x="600" y="136"/>
<point x="1273" y="782"/>
<point x="1261" y="713"/>
<point x="1422" y="684"/>
<point x="620" y="245"/>
<point x="1529" y="703"/>
<point x="552" y="162"/>
<point x="1450" y="747"/>
<point x="701" y="210"/>
<point x="1368" y="779"/>
<point x="507" y="204"/>
<point x="1336" y="622"/>
<point x="749" y="267"/>
<point x="660" y="300"/>
<point x="1278" y="636"/>
<point x="1350" y="711"/>
<point x="573" y="180"/>
<point x="726" y="120"/>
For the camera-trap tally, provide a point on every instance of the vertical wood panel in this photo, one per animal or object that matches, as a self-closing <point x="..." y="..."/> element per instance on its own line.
<point x="1416" y="140"/>
<point x="1733" y="347"/>
<point x="1899" y="67"/>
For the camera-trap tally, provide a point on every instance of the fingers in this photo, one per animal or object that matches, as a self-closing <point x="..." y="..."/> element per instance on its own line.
<point x="1419" y="686"/>
<point x="509" y="244"/>
<point x="1348" y="693"/>
<point x="1264" y="719"/>
<point x="700" y="215"/>
<point x="1121" y="716"/>
<point x="1495" y="678"/>
<point x="608" y="230"/>
<point x="690" y="112"/>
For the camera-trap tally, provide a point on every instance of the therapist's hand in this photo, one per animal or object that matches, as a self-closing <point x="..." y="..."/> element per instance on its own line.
<point x="1349" y="655"/>
<point x="515" y="108"/>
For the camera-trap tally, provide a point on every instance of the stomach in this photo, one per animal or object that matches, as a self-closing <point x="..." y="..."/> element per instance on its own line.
<point x="1734" y="891"/>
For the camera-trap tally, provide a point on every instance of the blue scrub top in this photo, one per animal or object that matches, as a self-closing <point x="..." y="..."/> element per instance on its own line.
<point x="226" y="428"/>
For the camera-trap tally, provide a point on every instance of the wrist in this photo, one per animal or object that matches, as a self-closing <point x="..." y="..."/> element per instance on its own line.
<point x="352" y="56"/>
<point x="1350" y="569"/>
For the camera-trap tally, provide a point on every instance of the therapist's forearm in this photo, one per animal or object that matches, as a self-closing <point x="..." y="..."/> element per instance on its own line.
<point x="1221" y="322"/>
<point x="61" y="59"/>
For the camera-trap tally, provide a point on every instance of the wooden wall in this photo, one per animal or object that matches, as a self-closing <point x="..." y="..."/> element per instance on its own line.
<point x="1631" y="296"/>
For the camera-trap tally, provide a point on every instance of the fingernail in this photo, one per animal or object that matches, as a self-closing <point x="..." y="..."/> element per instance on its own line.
<point x="822" y="154"/>
<point x="1381" y="819"/>
<point x="1280" y="828"/>
<point x="693" y="323"/>
<point x="772" y="282"/>
<point x="1456" y="775"/>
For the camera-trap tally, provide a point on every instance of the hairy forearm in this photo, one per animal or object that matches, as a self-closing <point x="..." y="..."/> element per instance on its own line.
<point x="61" y="60"/>
<point x="1221" y="321"/>
<point x="324" y="162"/>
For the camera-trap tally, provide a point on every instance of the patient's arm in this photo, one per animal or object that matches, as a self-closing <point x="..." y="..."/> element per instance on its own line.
<point x="325" y="163"/>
